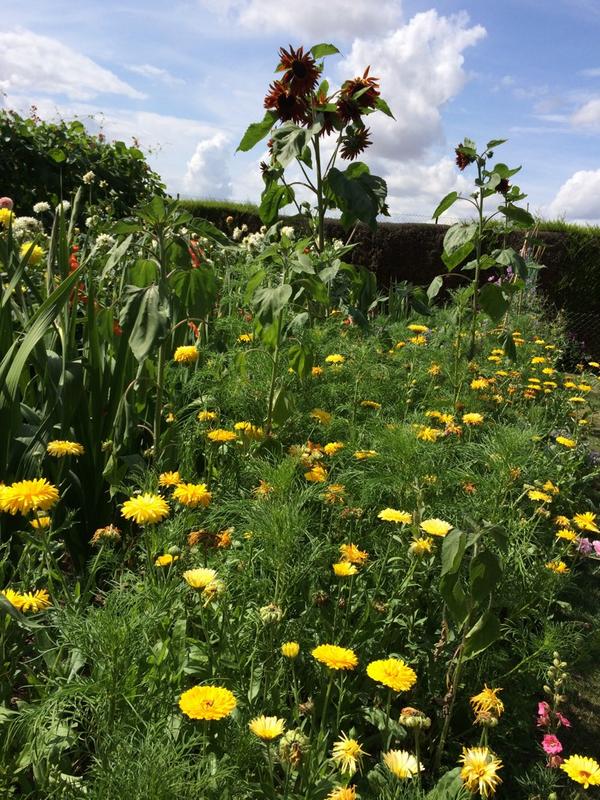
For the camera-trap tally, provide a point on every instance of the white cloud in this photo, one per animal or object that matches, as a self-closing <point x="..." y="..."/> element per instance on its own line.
<point x="207" y="172"/>
<point x="578" y="198"/>
<point x="588" y="115"/>
<point x="29" y="61"/>
<point x="155" y="73"/>
<point x="415" y="189"/>
<point x="421" y="68"/>
<point x="593" y="72"/>
<point x="309" y="18"/>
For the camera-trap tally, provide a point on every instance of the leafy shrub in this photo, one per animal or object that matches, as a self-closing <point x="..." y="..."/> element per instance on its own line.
<point x="46" y="161"/>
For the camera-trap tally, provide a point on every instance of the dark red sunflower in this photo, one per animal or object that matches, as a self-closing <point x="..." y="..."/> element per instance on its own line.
<point x="300" y="70"/>
<point x="363" y="91"/>
<point x="287" y="105"/>
<point x="331" y="119"/>
<point x="503" y="186"/>
<point x="462" y="159"/>
<point x="355" y="140"/>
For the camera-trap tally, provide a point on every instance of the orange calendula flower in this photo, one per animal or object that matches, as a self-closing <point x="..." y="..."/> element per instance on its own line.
<point x="331" y="448"/>
<point x="351" y="553"/>
<point x="169" y="479"/>
<point x="187" y="354"/>
<point x="559" y="567"/>
<point x="472" y="419"/>
<point x="488" y="702"/>
<point x="317" y="474"/>
<point x="586" y="521"/>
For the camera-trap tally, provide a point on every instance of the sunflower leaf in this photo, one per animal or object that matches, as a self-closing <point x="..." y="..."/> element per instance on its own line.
<point x="257" y="131"/>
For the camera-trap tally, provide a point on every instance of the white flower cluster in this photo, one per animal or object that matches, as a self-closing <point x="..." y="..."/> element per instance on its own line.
<point x="253" y="241"/>
<point x="288" y="231"/>
<point x="104" y="240"/>
<point x="239" y="232"/>
<point x="39" y="208"/>
<point x="26" y="227"/>
<point x="88" y="178"/>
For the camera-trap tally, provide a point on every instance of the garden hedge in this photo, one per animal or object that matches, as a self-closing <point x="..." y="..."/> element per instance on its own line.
<point x="570" y="280"/>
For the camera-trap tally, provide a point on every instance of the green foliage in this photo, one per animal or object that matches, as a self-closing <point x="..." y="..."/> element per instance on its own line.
<point x="46" y="161"/>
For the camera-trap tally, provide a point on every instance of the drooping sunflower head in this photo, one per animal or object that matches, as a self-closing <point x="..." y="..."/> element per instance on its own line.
<point x="354" y="142"/>
<point x="285" y="103"/>
<point x="300" y="70"/>
<point x="362" y="91"/>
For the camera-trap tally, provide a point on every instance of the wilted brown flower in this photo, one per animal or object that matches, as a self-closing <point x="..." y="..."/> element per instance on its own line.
<point x="462" y="159"/>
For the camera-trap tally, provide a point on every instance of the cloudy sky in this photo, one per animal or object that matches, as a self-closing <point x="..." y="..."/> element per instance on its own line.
<point x="186" y="77"/>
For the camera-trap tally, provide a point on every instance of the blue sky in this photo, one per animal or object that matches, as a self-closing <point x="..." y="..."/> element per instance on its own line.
<point x="188" y="76"/>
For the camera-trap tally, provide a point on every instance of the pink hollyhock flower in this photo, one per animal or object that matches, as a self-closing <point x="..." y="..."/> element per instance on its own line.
<point x="543" y="714"/>
<point x="551" y="745"/>
<point x="563" y="720"/>
<point x="596" y="546"/>
<point x="6" y="202"/>
<point x="584" y="546"/>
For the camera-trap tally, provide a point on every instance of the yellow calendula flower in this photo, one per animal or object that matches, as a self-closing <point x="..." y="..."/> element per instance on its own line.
<point x="351" y="553"/>
<point x="566" y="534"/>
<point x="436" y="527"/>
<point x="342" y="793"/>
<point x="290" y="649"/>
<point x="586" y="521"/>
<point x="472" y="419"/>
<point x="6" y="217"/>
<point x="207" y="702"/>
<point x="535" y="494"/>
<point x="401" y="764"/>
<point x="419" y="340"/>
<point x="362" y="455"/>
<point x="60" y="448"/>
<point x="25" y="496"/>
<point x="33" y="253"/>
<point x="551" y="488"/>
<point x="335" y="358"/>
<point x="187" y="354"/>
<point x="250" y="431"/>
<point x="487" y="702"/>
<point x="392" y="672"/>
<point x="480" y="383"/>
<point x="192" y="495"/>
<point x="331" y="448"/>
<point x="145" y="509"/>
<point x="479" y="771"/>
<point x="324" y="417"/>
<point x="582" y="770"/>
<point x="264" y="489"/>
<point x="421" y="546"/>
<point x="434" y="370"/>
<point x="169" y="479"/>
<point x="566" y="442"/>
<point x="206" y="416"/>
<point x="334" y="494"/>
<point x="416" y="328"/>
<point x="35" y="601"/>
<point x="14" y="598"/>
<point x="316" y="371"/>
<point x="394" y="515"/>
<point x="344" y="569"/>
<point x="245" y="338"/>
<point x="267" y="728"/>
<point x="347" y="754"/>
<point x="562" y="521"/>
<point x="220" y="435"/>
<point x="317" y="474"/>
<point x="370" y="404"/>
<point x="559" y="567"/>
<point x="165" y="560"/>
<point x="335" y="657"/>
<point x="427" y="434"/>
<point x="199" y="578"/>
<point x="41" y="521"/>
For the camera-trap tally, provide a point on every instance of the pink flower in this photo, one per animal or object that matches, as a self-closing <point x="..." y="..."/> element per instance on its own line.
<point x="6" y="202"/>
<point x="551" y="745"/>
<point x="563" y="720"/>
<point x="543" y="714"/>
<point x="596" y="546"/>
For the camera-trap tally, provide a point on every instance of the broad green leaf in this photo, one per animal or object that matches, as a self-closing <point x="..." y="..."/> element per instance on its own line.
<point x="253" y="283"/>
<point x="493" y="301"/>
<point x="509" y="346"/>
<point x="301" y="359"/>
<point x="510" y="258"/>
<point x="445" y="204"/>
<point x="257" y="131"/>
<point x="453" y="548"/>
<point x="290" y="141"/>
<point x="458" y="234"/>
<point x="57" y="155"/>
<point x="358" y="194"/>
<point x="494" y="143"/>
<point x="453" y="259"/>
<point x="454" y="597"/>
<point x="143" y="272"/>
<point x="504" y="171"/>
<point x="449" y="787"/>
<point x="274" y="198"/>
<point x="381" y="105"/>
<point x="484" y="633"/>
<point x="283" y="406"/>
<point x="485" y="571"/>
<point x="270" y="301"/>
<point x="144" y="319"/>
<point x="518" y="215"/>
<point x="323" y="49"/>
<point x="197" y="290"/>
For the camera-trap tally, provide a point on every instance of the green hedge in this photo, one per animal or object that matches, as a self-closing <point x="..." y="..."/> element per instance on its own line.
<point x="410" y="251"/>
